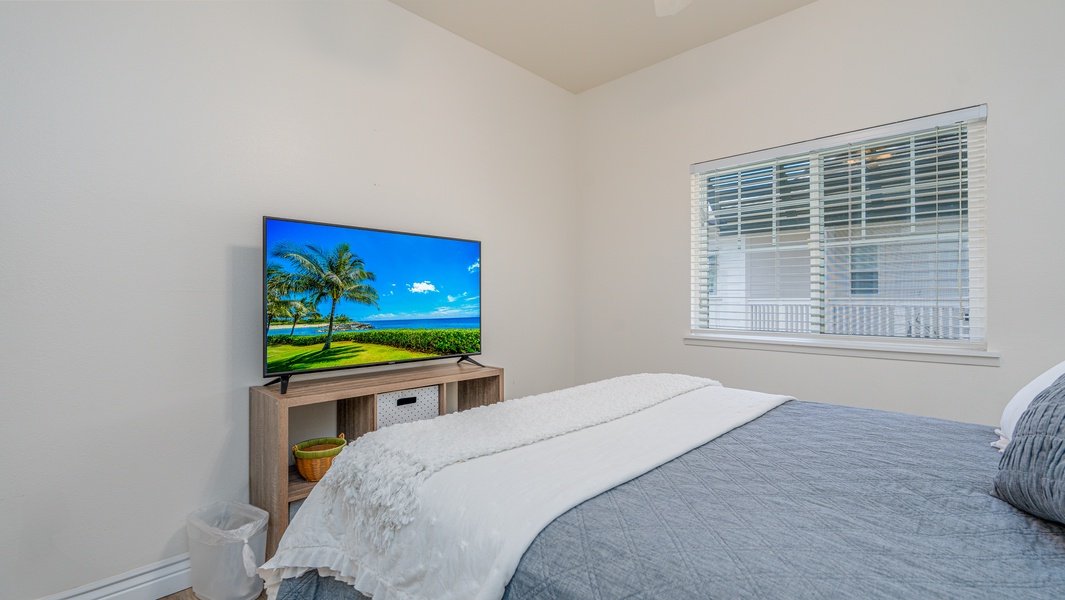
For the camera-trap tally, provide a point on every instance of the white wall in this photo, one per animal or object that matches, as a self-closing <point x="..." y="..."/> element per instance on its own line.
<point x="829" y="67"/>
<point x="140" y="145"/>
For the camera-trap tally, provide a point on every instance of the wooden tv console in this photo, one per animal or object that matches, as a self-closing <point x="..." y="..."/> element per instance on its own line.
<point x="274" y="484"/>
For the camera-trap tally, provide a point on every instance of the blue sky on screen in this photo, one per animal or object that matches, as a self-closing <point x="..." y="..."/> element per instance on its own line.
<point x="418" y="277"/>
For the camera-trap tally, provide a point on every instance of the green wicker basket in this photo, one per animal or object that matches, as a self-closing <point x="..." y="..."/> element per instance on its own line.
<point x="313" y="457"/>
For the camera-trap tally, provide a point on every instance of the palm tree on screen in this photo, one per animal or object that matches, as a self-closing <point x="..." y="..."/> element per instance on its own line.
<point x="277" y="306"/>
<point x="299" y="309"/>
<point x="335" y="275"/>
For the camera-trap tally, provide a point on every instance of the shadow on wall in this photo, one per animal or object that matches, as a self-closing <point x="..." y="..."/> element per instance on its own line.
<point x="244" y="359"/>
<point x="355" y="42"/>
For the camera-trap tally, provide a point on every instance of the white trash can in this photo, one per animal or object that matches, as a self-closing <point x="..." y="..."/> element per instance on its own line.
<point x="227" y="542"/>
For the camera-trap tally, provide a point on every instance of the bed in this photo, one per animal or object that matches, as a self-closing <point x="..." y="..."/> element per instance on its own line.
<point x="803" y="500"/>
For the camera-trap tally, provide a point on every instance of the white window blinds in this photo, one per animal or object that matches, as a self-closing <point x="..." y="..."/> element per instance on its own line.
<point x="874" y="233"/>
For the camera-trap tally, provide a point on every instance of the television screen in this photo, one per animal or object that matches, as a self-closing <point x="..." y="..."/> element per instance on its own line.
<point x="337" y="297"/>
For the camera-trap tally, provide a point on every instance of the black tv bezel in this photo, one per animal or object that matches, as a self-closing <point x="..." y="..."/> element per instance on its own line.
<point x="266" y="316"/>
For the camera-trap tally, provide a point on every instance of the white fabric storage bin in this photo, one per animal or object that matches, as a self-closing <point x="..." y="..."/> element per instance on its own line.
<point x="405" y="406"/>
<point x="227" y="542"/>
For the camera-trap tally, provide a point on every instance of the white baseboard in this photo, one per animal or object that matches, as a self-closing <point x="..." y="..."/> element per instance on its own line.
<point x="149" y="582"/>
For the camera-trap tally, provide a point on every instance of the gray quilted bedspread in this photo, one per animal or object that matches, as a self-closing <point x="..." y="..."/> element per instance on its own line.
<point x="807" y="501"/>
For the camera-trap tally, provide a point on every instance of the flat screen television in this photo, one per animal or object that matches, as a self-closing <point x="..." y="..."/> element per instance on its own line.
<point x="340" y="297"/>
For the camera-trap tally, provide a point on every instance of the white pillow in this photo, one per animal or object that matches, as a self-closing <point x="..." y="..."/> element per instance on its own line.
<point x="1020" y="403"/>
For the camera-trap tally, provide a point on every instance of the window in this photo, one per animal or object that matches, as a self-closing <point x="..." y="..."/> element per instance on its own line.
<point x="865" y="279"/>
<point x="874" y="234"/>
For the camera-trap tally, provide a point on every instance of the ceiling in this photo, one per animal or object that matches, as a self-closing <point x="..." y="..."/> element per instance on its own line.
<point x="580" y="44"/>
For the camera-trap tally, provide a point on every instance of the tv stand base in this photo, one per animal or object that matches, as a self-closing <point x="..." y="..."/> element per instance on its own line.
<point x="464" y="358"/>
<point x="284" y="383"/>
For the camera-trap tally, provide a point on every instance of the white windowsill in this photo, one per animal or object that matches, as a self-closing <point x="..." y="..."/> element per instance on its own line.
<point x="862" y="347"/>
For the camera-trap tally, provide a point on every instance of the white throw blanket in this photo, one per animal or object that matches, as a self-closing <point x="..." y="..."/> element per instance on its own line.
<point x="379" y="474"/>
<point x="475" y="519"/>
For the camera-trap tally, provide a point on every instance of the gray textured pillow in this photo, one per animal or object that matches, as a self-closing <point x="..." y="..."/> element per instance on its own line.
<point x="1031" y="474"/>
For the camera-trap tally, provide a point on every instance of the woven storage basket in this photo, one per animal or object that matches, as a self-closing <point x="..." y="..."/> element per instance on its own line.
<point x="313" y="457"/>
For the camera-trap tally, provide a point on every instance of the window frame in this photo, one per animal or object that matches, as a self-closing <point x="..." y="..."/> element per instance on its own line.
<point x="926" y="350"/>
